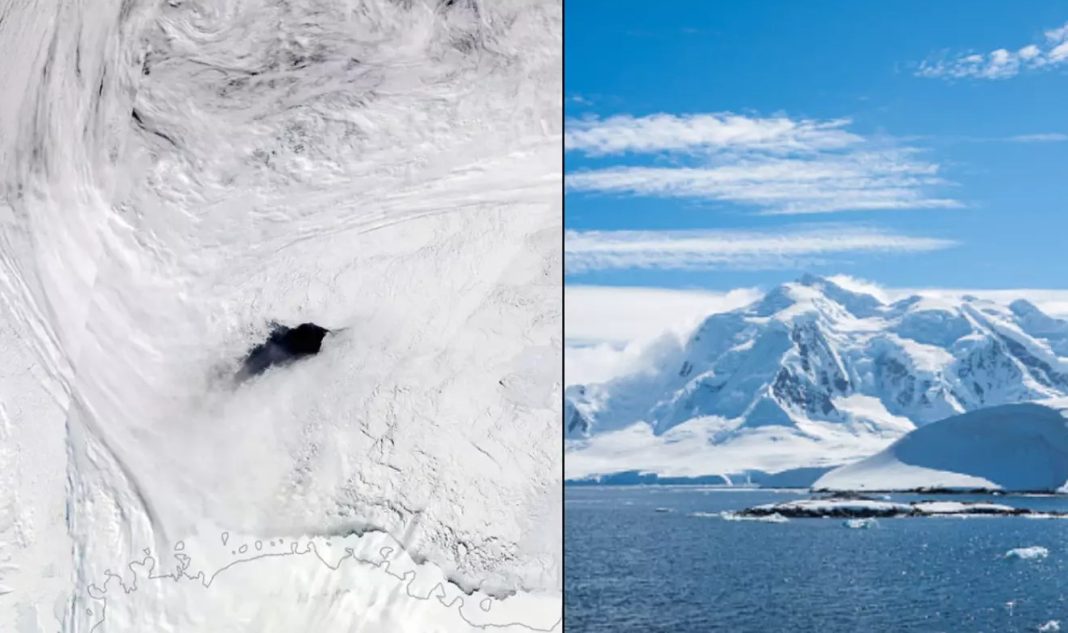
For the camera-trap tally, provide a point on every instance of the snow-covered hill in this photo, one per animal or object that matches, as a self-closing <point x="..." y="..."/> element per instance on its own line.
<point x="814" y="374"/>
<point x="1009" y="447"/>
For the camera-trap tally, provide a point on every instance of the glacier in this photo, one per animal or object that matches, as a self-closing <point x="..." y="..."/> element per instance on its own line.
<point x="1012" y="447"/>
<point x="811" y="376"/>
<point x="176" y="176"/>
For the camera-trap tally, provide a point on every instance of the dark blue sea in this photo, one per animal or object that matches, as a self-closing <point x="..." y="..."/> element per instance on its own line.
<point x="630" y="567"/>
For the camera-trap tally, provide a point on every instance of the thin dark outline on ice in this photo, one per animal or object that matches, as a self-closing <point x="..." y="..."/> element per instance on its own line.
<point x="150" y="562"/>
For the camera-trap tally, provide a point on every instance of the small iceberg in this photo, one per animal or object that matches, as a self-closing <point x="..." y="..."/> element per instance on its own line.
<point x="1035" y="552"/>
<point x="1052" y="625"/>
<point x="860" y="524"/>
<point x="765" y="518"/>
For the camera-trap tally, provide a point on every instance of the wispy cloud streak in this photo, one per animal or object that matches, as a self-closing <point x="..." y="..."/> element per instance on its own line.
<point x="1044" y="137"/>
<point x="588" y="251"/>
<point x="858" y="181"/>
<point x="707" y="132"/>
<point x="1002" y="63"/>
<point x="778" y="165"/>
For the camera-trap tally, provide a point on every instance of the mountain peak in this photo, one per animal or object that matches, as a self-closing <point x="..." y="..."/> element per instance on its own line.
<point x="1023" y="307"/>
<point x="858" y="304"/>
<point x="813" y="281"/>
<point x="840" y="358"/>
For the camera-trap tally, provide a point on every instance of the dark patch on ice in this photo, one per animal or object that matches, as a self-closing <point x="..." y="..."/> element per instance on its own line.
<point x="140" y="121"/>
<point x="283" y="346"/>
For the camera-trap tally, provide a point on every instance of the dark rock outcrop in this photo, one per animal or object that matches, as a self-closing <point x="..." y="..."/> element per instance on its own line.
<point x="859" y="507"/>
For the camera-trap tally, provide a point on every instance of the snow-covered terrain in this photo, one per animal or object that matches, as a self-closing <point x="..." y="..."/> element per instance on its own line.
<point x="1021" y="447"/>
<point x="174" y="177"/>
<point x="813" y="375"/>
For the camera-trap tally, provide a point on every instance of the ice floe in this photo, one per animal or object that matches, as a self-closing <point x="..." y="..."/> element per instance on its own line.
<point x="1035" y="552"/>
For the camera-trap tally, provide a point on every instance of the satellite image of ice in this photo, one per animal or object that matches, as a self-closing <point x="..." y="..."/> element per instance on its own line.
<point x="280" y="315"/>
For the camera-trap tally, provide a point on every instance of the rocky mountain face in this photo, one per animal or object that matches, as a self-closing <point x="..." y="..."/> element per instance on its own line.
<point x="811" y="354"/>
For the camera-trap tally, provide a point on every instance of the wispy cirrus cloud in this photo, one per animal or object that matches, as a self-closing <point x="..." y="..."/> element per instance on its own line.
<point x="1002" y="63"/>
<point x="708" y="132"/>
<point x="1044" y="137"/>
<point x="861" y="181"/>
<point x="588" y="251"/>
<point x="776" y="164"/>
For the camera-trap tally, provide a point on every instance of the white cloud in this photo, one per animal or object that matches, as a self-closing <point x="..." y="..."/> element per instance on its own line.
<point x="601" y="362"/>
<point x="777" y="164"/>
<point x="1042" y="137"/>
<point x="884" y="180"/>
<point x="708" y="132"/>
<point x="587" y="251"/>
<point x="855" y="284"/>
<point x="1002" y="63"/>
<point x="611" y="331"/>
<point x="627" y="313"/>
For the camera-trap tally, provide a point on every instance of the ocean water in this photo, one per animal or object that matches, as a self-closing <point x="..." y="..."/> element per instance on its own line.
<point x="632" y="567"/>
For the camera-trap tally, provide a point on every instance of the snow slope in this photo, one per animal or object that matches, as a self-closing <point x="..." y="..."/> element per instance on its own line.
<point x="174" y="176"/>
<point x="1022" y="447"/>
<point x="813" y="374"/>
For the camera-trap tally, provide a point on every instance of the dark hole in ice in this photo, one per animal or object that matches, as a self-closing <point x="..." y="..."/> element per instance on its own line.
<point x="284" y="345"/>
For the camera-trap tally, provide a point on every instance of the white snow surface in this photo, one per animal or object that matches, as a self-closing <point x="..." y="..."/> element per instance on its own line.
<point x="714" y="446"/>
<point x="957" y="507"/>
<point x="812" y="375"/>
<point x="1021" y="447"/>
<point x="831" y="505"/>
<point x="173" y="177"/>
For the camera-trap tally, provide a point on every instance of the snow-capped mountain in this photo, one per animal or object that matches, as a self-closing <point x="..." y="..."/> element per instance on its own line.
<point x="813" y="360"/>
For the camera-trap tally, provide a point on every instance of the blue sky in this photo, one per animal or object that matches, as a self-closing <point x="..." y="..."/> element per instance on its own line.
<point x="734" y="144"/>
